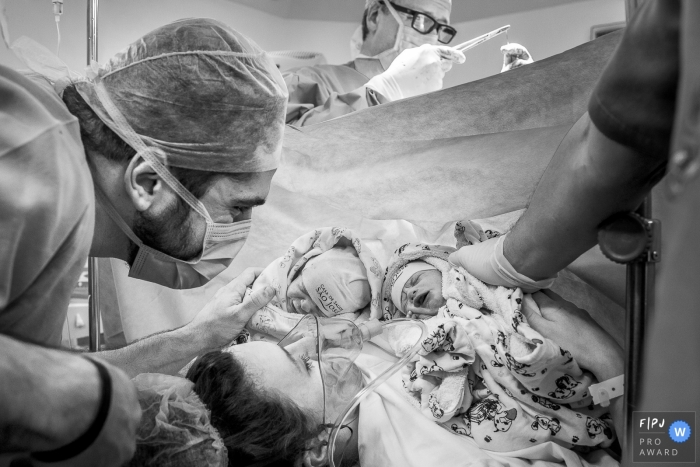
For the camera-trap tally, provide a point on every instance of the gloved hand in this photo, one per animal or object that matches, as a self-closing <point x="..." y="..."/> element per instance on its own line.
<point x="416" y="71"/>
<point x="514" y="56"/>
<point x="486" y="262"/>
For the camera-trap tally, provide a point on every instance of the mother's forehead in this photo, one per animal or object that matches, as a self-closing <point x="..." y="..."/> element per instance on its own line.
<point x="438" y="9"/>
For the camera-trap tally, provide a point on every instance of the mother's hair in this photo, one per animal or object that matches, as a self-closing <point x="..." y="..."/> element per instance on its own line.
<point x="259" y="426"/>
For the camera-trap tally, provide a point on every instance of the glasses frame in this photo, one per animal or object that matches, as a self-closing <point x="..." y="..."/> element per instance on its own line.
<point x="436" y="24"/>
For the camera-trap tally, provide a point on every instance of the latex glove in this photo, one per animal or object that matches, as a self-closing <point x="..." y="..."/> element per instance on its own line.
<point x="224" y="317"/>
<point x="514" y="56"/>
<point x="416" y="71"/>
<point x="486" y="262"/>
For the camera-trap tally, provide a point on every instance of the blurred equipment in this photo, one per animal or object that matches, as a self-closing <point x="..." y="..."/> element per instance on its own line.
<point x="288" y="59"/>
<point x="57" y="12"/>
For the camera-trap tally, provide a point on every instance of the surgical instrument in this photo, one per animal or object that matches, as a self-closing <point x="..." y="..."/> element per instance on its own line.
<point x="470" y="44"/>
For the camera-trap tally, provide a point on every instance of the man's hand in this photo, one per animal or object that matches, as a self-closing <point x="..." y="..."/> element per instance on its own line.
<point x="227" y="313"/>
<point x="514" y="56"/>
<point x="574" y="330"/>
<point x="416" y="71"/>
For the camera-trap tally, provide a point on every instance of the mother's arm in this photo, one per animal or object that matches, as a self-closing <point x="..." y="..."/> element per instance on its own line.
<point x="573" y="328"/>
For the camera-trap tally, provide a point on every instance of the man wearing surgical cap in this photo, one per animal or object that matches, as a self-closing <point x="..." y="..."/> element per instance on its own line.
<point x="155" y="158"/>
<point x="323" y="92"/>
<point x="400" y="50"/>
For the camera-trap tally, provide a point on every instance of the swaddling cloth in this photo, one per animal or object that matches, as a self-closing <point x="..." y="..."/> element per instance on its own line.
<point x="485" y="373"/>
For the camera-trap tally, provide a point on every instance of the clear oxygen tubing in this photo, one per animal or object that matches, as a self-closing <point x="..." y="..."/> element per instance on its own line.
<point x="407" y="356"/>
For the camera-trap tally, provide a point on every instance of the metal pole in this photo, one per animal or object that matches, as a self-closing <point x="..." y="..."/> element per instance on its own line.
<point x="93" y="269"/>
<point x="640" y="286"/>
<point x="93" y="6"/>
<point x="633" y="239"/>
<point x="93" y="305"/>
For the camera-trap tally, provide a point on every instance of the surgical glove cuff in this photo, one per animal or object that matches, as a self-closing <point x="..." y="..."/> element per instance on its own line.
<point x="386" y="85"/>
<point x="507" y="272"/>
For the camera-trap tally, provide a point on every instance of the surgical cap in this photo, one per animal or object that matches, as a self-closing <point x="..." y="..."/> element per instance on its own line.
<point x="175" y="428"/>
<point x="337" y="281"/>
<point x="444" y="3"/>
<point x="203" y="94"/>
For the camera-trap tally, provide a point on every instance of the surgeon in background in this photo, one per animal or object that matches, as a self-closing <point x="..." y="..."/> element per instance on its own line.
<point x="383" y="71"/>
<point x="401" y="50"/>
<point x="156" y="159"/>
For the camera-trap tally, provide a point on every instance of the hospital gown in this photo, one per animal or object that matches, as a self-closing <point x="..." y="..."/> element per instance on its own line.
<point x="323" y="92"/>
<point x="47" y="210"/>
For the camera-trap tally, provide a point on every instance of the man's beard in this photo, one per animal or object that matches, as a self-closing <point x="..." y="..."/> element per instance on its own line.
<point x="169" y="232"/>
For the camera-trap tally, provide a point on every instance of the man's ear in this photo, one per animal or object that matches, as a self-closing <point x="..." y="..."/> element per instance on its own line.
<point x="316" y="454"/>
<point x="373" y="17"/>
<point x="141" y="183"/>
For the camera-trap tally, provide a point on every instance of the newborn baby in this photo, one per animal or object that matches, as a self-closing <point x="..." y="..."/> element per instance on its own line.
<point x="332" y="283"/>
<point x="417" y="289"/>
<point x="326" y="272"/>
<point x="483" y="372"/>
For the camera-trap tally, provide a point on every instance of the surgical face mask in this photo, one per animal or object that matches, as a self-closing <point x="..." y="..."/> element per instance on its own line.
<point x="220" y="245"/>
<point x="406" y="38"/>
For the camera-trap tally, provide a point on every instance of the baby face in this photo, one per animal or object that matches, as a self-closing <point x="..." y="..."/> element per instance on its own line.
<point x="298" y="299"/>
<point x="422" y="293"/>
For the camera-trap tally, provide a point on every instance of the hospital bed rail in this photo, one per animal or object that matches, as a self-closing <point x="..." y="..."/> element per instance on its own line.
<point x="634" y="239"/>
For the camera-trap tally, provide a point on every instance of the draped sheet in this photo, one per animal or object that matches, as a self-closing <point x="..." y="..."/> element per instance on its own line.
<point x="406" y="171"/>
<point x="468" y="152"/>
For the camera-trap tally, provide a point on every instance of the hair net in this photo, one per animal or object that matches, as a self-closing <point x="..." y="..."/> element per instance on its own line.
<point x="194" y="94"/>
<point x="336" y="281"/>
<point x="175" y="428"/>
<point x="204" y="94"/>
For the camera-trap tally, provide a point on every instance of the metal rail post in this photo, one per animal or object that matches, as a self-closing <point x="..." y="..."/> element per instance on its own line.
<point x="93" y="270"/>
<point x="634" y="239"/>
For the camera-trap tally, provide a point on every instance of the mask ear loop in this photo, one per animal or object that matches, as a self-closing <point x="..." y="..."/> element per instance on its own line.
<point x="400" y="30"/>
<point x="123" y="129"/>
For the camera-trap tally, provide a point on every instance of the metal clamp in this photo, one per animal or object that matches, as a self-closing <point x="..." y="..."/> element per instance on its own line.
<point x="629" y="237"/>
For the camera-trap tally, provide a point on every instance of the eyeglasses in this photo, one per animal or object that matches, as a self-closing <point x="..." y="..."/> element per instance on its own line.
<point x="425" y="24"/>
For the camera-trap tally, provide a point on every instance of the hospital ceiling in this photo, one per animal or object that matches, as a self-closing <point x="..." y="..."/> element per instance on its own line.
<point x="351" y="10"/>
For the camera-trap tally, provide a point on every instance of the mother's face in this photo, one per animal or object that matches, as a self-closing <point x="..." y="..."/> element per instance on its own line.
<point x="288" y="371"/>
